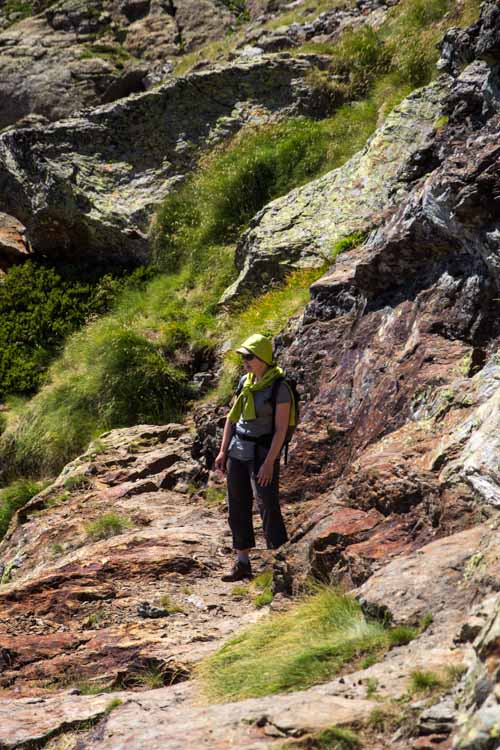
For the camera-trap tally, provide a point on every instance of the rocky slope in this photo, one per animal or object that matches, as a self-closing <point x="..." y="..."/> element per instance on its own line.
<point x="392" y="489"/>
<point x="91" y="184"/>
<point x="80" y="53"/>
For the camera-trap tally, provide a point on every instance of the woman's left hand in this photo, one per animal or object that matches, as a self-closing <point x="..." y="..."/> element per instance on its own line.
<point x="265" y="474"/>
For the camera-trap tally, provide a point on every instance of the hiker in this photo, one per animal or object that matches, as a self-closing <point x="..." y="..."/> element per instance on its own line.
<point x="255" y="431"/>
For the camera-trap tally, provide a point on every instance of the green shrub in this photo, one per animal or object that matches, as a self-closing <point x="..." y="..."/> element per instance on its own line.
<point x="108" y="525"/>
<point x="39" y="308"/>
<point x="14" y="497"/>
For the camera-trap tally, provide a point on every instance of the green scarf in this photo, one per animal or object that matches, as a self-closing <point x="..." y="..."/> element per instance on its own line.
<point x="244" y="405"/>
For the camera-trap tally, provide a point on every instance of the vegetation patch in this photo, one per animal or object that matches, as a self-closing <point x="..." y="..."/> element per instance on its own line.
<point x="293" y="650"/>
<point x="115" y="53"/>
<point x="108" y="525"/>
<point x="14" y="497"/>
<point x="39" y="307"/>
<point x="170" y="605"/>
<point x="17" y="10"/>
<point x="346" y="243"/>
<point x="263" y="583"/>
<point x="77" y="482"/>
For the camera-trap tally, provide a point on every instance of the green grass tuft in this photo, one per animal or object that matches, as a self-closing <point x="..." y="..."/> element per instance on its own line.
<point x="346" y="243"/>
<point x="332" y="738"/>
<point x="424" y="681"/>
<point x="263" y="599"/>
<point x="169" y="605"/>
<point x="425" y="622"/>
<point x="292" y="650"/>
<point x="401" y="635"/>
<point x="112" y="704"/>
<point x="215" y="497"/>
<point x="77" y="482"/>
<point x="108" y="525"/>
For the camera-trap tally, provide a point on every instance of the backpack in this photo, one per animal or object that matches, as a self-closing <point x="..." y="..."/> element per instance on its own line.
<point x="292" y="384"/>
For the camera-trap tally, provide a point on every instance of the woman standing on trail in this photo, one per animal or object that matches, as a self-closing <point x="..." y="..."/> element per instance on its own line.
<point x="254" y="434"/>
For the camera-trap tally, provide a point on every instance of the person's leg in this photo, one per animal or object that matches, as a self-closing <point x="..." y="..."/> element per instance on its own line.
<point x="240" y="501"/>
<point x="269" y="504"/>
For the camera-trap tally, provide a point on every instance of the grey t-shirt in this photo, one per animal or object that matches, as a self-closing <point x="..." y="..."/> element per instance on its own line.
<point x="261" y="425"/>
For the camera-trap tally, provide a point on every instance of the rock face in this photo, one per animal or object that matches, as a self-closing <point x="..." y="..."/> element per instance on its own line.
<point x="300" y="229"/>
<point x="480" y="716"/>
<point x="13" y="245"/>
<point x="396" y="354"/>
<point x="81" y="53"/>
<point x="90" y="184"/>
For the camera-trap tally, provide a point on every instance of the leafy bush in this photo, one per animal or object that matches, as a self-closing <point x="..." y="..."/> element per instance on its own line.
<point x="14" y="497"/>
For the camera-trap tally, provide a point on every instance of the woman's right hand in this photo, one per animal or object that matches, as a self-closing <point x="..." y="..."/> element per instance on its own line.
<point x="220" y="462"/>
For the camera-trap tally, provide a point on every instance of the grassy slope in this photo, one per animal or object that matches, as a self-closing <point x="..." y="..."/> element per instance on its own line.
<point x="123" y="368"/>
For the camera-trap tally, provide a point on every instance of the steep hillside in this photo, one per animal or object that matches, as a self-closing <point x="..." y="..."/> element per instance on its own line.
<point x="115" y="629"/>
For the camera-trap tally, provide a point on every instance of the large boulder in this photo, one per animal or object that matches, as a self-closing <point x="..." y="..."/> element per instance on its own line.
<point x="90" y="184"/>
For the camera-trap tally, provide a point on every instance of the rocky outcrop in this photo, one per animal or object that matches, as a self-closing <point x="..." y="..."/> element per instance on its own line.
<point x="479" y="718"/>
<point x="81" y="53"/>
<point x="90" y="185"/>
<point x="112" y="605"/>
<point x="300" y="229"/>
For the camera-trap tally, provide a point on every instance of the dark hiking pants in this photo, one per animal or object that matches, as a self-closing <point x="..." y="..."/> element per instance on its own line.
<point x="242" y="487"/>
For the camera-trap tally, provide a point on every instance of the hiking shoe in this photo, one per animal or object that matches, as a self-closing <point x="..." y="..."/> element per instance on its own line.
<point x="239" y="572"/>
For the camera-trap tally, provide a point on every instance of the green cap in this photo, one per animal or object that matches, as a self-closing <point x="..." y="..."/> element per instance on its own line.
<point x="259" y="345"/>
